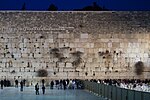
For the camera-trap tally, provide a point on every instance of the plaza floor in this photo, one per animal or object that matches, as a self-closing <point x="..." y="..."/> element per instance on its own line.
<point x="11" y="93"/>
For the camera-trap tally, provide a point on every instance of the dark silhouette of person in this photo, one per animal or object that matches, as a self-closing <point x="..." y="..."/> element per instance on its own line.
<point x="67" y="81"/>
<point x="24" y="82"/>
<point x="43" y="81"/>
<point x="57" y="83"/>
<point x="16" y="83"/>
<point x="9" y="83"/>
<point x="64" y="84"/>
<point x="5" y="83"/>
<point x="2" y="84"/>
<point x="37" y="89"/>
<point x="77" y="83"/>
<point x="43" y="89"/>
<point x="21" y="86"/>
<point x="61" y="83"/>
<point x="52" y="84"/>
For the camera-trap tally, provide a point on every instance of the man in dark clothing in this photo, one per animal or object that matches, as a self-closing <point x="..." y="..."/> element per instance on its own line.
<point x="64" y="84"/>
<point x="43" y="89"/>
<point x="61" y="83"/>
<point x="43" y="81"/>
<point x="2" y="84"/>
<point x="67" y="81"/>
<point x="21" y="86"/>
<point x="5" y="83"/>
<point x="16" y="83"/>
<point x="37" y="89"/>
<point x="57" y="83"/>
<point x="52" y="84"/>
<point x="24" y="82"/>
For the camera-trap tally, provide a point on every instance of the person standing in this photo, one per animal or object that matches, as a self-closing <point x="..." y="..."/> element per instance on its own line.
<point x="2" y="84"/>
<point x="16" y="83"/>
<point x="37" y="89"/>
<point x="43" y="89"/>
<point x="64" y="84"/>
<point x="21" y="86"/>
<point x="52" y="84"/>
<point x="43" y="81"/>
<point x="61" y="84"/>
<point x="5" y="83"/>
<point x="24" y="82"/>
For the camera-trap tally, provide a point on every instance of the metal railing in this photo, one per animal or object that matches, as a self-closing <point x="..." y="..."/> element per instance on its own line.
<point x="115" y="93"/>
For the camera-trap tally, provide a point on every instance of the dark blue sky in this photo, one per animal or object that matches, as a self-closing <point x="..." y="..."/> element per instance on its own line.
<point x="74" y="4"/>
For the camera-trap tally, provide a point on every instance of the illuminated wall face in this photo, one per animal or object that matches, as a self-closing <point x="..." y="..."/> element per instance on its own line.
<point x="74" y="44"/>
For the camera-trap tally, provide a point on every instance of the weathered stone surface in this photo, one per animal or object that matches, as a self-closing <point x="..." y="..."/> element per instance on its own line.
<point x="70" y="44"/>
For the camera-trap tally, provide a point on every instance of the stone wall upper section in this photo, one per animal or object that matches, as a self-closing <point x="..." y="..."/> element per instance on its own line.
<point x="75" y="22"/>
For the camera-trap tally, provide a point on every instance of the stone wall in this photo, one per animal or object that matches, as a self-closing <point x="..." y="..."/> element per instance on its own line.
<point x="74" y="44"/>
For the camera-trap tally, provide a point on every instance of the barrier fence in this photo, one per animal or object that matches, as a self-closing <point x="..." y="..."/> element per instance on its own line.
<point x="115" y="93"/>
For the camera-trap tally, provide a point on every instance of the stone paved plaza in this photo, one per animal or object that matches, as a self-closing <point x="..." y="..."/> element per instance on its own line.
<point x="11" y="93"/>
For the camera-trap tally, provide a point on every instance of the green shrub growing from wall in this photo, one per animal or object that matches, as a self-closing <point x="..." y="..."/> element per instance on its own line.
<point x="42" y="73"/>
<point x="139" y="67"/>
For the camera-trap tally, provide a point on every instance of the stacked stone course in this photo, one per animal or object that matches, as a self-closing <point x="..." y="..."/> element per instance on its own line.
<point x="81" y="45"/>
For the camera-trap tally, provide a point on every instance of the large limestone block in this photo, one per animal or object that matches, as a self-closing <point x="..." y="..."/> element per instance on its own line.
<point x="69" y="69"/>
<point x="71" y="45"/>
<point x="61" y="64"/>
<point x="85" y="35"/>
<point x="50" y="70"/>
<point x="62" y="75"/>
<point x="24" y="55"/>
<point x="73" y="74"/>
<point x="61" y="36"/>
<point x="84" y="40"/>
<point x="80" y="49"/>
<point x="66" y="35"/>
<point x="61" y="69"/>
<point x="68" y="65"/>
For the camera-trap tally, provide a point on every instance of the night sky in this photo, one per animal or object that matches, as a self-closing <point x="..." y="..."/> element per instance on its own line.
<point x="117" y="5"/>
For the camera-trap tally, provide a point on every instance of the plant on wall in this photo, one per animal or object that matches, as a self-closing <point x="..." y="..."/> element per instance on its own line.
<point x="139" y="67"/>
<point x="62" y="59"/>
<point x="77" y="53"/>
<point x="55" y="52"/>
<point x="13" y="71"/>
<point x="78" y="59"/>
<point x="77" y="62"/>
<point x="105" y="54"/>
<point x="42" y="73"/>
<point x="59" y="53"/>
<point x="86" y="73"/>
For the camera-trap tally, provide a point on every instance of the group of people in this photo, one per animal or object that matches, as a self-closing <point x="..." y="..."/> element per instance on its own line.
<point x="23" y="82"/>
<point x="5" y="83"/>
<point x="66" y="84"/>
<point x="60" y="84"/>
<point x="37" y="87"/>
<point x="57" y="84"/>
<point x="133" y="84"/>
